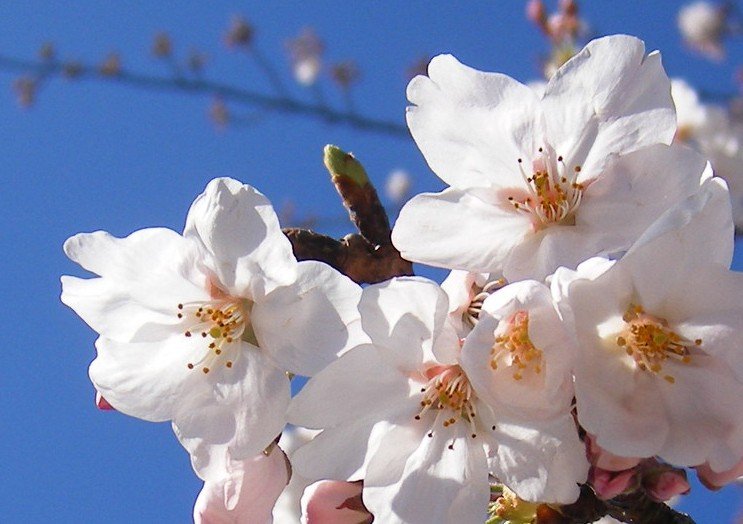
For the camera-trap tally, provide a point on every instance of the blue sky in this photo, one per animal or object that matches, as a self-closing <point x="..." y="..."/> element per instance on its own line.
<point x="93" y="156"/>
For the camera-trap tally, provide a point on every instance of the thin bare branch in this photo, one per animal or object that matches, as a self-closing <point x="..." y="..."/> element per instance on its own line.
<point x="200" y="86"/>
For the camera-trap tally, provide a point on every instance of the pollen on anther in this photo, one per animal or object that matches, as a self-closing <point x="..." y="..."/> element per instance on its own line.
<point x="190" y="366"/>
<point x="187" y="333"/>
<point x="698" y="342"/>
<point x="180" y="306"/>
<point x="417" y="417"/>
<point x="180" y="315"/>
<point x="451" y="446"/>
<point x="218" y="351"/>
<point x="205" y="370"/>
<point x="577" y="169"/>
<point x="228" y="364"/>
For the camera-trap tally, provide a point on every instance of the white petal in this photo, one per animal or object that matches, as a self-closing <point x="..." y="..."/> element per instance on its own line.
<point x="404" y="317"/>
<point x="472" y="126"/>
<point x="697" y="232"/>
<point x="245" y="492"/>
<point x="630" y="103"/>
<point x="635" y="189"/>
<point x="238" y="226"/>
<point x="147" y="380"/>
<point x="426" y="480"/>
<point x="360" y="383"/>
<point x="458" y="230"/>
<point x="145" y="276"/>
<point x="305" y="326"/>
<point x="244" y="408"/>
<point x="542" y="462"/>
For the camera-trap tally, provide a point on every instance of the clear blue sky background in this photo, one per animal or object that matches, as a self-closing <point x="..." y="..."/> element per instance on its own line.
<point x="101" y="156"/>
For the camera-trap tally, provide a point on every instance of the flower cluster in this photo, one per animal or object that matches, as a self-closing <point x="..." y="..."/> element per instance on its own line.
<point x="588" y="333"/>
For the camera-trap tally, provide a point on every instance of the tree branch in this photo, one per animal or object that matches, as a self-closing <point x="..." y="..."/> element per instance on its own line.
<point x="200" y="86"/>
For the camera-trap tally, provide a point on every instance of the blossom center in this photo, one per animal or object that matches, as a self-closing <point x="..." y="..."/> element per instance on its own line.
<point x="514" y="348"/>
<point x="552" y="191"/>
<point x="222" y="323"/>
<point x="651" y="343"/>
<point x="448" y="392"/>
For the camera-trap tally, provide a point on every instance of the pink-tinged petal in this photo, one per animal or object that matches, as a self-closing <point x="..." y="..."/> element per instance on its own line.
<point x="288" y="507"/>
<point x="447" y="471"/>
<point x="244" y="492"/>
<point x="716" y="479"/>
<point x="242" y="407"/>
<point x="472" y="126"/>
<point x="238" y="226"/>
<point x="630" y="103"/>
<point x="331" y="501"/>
<point x="542" y="462"/>
<point x="146" y="380"/>
<point x="631" y="193"/>
<point x="371" y="386"/>
<point x="458" y="230"/>
<point x="404" y="317"/>
<point x="307" y="325"/>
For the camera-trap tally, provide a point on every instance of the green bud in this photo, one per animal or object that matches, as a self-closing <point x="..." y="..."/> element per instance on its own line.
<point x="340" y="163"/>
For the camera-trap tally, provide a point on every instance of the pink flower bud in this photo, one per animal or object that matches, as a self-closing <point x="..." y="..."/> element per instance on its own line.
<point x="609" y="484"/>
<point x="334" y="501"/>
<point x="536" y="13"/>
<point x="714" y="479"/>
<point x="665" y="484"/>
<point x="102" y="404"/>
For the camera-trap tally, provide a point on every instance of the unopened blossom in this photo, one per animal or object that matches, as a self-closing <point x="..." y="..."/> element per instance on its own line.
<point x="416" y="430"/>
<point x="242" y="491"/>
<point x="703" y="26"/>
<point x="334" y="501"/>
<point x="660" y="366"/>
<point x="201" y="328"/>
<point x="539" y="182"/>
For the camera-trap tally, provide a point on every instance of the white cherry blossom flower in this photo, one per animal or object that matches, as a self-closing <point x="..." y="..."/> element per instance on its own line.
<point x="530" y="174"/>
<point x="660" y="368"/>
<point x="415" y="430"/>
<point x="201" y="328"/>
<point x="242" y="491"/>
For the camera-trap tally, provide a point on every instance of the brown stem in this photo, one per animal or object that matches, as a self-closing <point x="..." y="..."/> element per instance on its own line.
<point x="634" y="508"/>
<point x="352" y="255"/>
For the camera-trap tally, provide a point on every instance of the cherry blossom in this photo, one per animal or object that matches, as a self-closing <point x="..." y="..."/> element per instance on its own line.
<point x="415" y="430"/>
<point x="660" y="366"/>
<point x="537" y="182"/>
<point x="201" y="328"/>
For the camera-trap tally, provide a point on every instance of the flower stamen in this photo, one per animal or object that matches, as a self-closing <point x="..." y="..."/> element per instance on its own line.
<point x="225" y="321"/>
<point x="651" y="343"/>
<point x="515" y="347"/>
